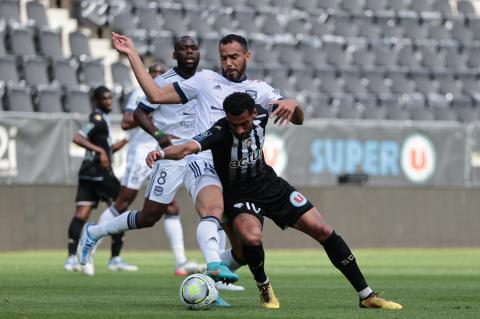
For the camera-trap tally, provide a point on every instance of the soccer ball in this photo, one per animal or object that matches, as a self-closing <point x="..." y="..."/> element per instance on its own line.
<point x="198" y="292"/>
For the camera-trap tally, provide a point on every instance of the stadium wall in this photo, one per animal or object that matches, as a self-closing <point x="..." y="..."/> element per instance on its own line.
<point x="37" y="217"/>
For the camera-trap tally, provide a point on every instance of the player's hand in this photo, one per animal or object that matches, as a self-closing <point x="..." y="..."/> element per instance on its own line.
<point x="284" y="111"/>
<point x="123" y="44"/>
<point x="152" y="157"/>
<point x="104" y="161"/>
<point x="166" y="140"/>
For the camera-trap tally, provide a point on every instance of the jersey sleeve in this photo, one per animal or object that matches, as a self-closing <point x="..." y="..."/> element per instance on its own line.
<point x="267" y="94"/>
<point x="133" y="100"/>
<point x="90" y="128"/>
<point x="144" y="103"/>
<point x="189" y="88"/>
<point x="210" y="138"/>
<point x="262" y="116"/>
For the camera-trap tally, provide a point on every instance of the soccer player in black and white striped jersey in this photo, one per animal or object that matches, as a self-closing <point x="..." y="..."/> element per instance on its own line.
<point x="252" y="190"/>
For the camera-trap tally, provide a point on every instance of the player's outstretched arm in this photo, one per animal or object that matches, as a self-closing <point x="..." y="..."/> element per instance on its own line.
<point x="154" y="93"/>
<point x="288" y="110"/>
<point x="174" y="152"/>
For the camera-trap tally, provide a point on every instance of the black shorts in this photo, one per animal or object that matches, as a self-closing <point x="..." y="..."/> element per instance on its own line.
<point x="91" y="192"/>
<point x="278" y="200"/>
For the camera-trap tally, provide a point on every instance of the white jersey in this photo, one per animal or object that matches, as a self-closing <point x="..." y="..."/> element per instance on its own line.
<point x="137" y="136"/>
<point x="211" y="88"/>
<point x="176" y="119"/>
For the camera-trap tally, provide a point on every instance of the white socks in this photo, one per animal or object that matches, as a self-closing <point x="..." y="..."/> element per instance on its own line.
<point x="222" y="243"/>
<point x="364" y="293"/>
<point x="174" y="231"/>
<point x="208" y="239"/>
<point x="121" y="223"/>
<point x="229" y="260"/>
<point x="108" y="214"/>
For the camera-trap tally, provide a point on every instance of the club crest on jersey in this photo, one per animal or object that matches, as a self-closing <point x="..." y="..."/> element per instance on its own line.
<point x="202" y="136"/>
<point x="248" y="142"/>
<point x="217" y="87"/>
<point x="158" y="190"/>
<point x="98" y="117"/>
<point x="297" y="199"/>
<point x="252" y="93"/>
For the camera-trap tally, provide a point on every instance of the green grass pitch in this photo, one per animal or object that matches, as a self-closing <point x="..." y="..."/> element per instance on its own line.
<point x="429" y="283"/>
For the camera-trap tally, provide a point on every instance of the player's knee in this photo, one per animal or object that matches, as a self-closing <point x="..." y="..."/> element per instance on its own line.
<point x="324" y="231"/>
<point x="172" y="209"/>
<point x="211" y="209"/>
<point x="252" y="237"/>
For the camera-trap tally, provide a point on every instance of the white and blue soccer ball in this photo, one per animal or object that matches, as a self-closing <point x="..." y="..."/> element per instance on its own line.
<point x="198" y="292"/>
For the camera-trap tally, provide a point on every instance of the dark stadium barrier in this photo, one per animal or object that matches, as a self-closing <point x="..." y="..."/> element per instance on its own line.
<point x="36" y="149"/>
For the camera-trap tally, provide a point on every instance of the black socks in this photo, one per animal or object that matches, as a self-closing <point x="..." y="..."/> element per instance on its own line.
<point x="117" y="244"/>
<point x="342" y="258"/>
<point x="74" y="231"/>
<point x="255" y="258"/>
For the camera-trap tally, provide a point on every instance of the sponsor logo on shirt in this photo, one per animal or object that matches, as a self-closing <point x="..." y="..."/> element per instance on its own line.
<point x="252" y="157"/>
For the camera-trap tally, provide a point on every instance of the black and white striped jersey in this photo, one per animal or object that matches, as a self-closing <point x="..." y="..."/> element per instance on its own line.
<point x="240" y="164"/>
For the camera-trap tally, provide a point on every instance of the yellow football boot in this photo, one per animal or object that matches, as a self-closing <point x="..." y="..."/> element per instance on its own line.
<point x="267" y="297"/>
<point x="377" y="301"/>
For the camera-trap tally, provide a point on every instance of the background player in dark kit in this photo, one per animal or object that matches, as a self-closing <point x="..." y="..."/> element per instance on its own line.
<point x="96" y="180"/>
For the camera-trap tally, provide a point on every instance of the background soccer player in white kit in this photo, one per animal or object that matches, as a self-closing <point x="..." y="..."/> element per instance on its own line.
<point x="209" y="89"/>
<point x="140" y="143"/>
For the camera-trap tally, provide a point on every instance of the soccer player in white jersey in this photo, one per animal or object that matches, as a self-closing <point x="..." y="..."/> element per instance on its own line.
<point x="135" y="175"/>
<point x="209" y="89"/>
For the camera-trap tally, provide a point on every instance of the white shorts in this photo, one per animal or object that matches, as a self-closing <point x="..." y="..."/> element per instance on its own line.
<point x="199" y="174"/>
<point x="165" y="180"/>
<point x="137" y="170"/>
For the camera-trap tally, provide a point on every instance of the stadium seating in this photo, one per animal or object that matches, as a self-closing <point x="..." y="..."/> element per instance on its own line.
<point x="36" y="12"/>
<point x="18" y="98"/>
<point x="49" y="99"/>
<point x="79" y="45"/>
<point x="402" y="59"/>
<point x="78" y="100"/>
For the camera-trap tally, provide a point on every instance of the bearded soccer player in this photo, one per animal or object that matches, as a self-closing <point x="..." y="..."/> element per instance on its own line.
<point x="209" y="89"/>
<point x="252" y="191"/>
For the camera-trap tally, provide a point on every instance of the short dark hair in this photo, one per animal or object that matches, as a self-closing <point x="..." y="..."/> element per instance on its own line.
<point x="179" y="40"/>
<point x="155" y="66"/>
<point x="229" y="38"/>
<point x="99" y="91"/>
<point x="237" y="103"/>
